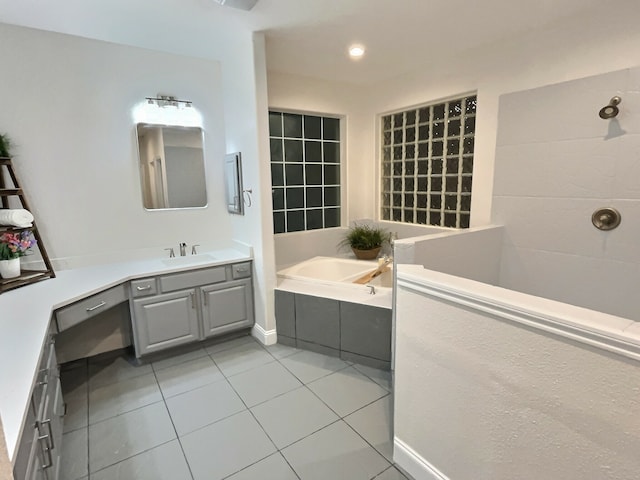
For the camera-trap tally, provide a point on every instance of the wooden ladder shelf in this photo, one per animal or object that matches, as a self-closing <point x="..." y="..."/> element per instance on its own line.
<point x="10" y="187"/>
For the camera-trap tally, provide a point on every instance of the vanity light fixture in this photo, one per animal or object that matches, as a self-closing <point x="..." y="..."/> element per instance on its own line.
<point x="168" y="101"/>
<point x="356" y="52"/>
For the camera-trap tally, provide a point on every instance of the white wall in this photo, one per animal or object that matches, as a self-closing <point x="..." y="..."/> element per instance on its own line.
<point x="573" y="48"/>
<point x="480" y="398"/>
<point x="68" y="106"/>
<point x="472" y="253"/>
<point x="557" y="162"/>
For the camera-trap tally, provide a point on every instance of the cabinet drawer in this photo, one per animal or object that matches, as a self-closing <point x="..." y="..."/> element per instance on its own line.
<point x="193" y="278"/>
<point x="80" y="311"/>
<point x="143" y="287"/>
<point x="241" y="270"/>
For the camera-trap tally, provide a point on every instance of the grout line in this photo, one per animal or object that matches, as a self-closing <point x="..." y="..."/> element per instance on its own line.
<point x="164" y="400"/>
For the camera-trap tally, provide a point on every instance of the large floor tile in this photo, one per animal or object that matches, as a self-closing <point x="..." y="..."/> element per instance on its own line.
<point x="165" y="462"/>
<point x="335" y="452"/>
<point x="390" y="473"/>
<point x="187" y="376"/>
<point x="240" y="359"/>
<point x="375" y="423"/>
<point x="75" y="455"/>
<point x="225" y="447"/>
<point x="105" y="369"/>
<point x="121" y="437"/>
<point x="120" y="397"/>
<point x="74" y="375"/>
<point x="178" y="359"/>
<point x="347" y="390"/>
<point x="274" y="467"/>
<point x="204" y="405"/>
<point x="309" y="366"/>
<point x="381" y="377"/>
<point x="77" y="412"/>
<point x="293" y="416"/>
<point x="263" y="383"/>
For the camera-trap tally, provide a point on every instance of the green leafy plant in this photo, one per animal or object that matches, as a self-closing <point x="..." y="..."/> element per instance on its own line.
<point x="365" y="237"/>
<point x="5" y="145"/>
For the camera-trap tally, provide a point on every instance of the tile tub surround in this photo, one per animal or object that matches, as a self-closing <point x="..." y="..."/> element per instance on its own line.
<point x="351" y="331"/>
<point x="271" y="412"/>
<point x="29" y="311"/>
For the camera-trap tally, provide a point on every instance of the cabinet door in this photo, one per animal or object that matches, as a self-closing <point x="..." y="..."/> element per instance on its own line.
<point x="165" y="321"/>
<point x="227" y="307"/>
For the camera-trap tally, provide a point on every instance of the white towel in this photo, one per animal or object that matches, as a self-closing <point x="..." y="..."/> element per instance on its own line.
<point x="17" y="217"/>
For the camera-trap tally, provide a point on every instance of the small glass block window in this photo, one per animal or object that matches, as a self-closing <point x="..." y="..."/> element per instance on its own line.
<point x="435" y="145"/>
<point x="305" y="171"/>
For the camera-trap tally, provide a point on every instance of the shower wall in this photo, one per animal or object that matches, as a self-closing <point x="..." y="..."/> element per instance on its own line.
<point x="557" y="162"/>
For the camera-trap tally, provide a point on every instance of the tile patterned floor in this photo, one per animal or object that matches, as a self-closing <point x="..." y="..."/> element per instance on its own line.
<point x="236" y="410"/>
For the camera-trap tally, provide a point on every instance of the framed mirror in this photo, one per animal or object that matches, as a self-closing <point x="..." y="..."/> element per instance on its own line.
<point x="172" y="171"/>
<point x="233" y="183"/>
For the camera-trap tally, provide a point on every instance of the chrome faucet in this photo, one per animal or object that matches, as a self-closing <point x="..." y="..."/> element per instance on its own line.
<point x="171" y="252"/>
<point x="372" y="289"/>
<point x="183" y="249"/>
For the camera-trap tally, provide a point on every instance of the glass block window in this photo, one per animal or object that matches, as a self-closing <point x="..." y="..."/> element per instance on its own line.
<point x="305" y="171"/>
<point x="427" y="163"/>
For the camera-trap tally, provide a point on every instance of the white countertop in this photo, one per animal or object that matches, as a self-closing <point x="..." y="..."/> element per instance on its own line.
<point x="25" y="314"/>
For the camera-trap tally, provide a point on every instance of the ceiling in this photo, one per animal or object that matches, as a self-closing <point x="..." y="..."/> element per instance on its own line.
<point x="306" y="37"/>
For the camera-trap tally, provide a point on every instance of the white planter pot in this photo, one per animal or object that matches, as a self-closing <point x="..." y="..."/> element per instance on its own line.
<point x="10" y="268"/>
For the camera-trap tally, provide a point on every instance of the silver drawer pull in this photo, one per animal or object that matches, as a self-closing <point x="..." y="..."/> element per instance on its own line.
<point x="142" y="289"/>
<point x="193" y="300"/>
<point x="101" y="304"/>
<point x="47" y="450"/>
<point x="242" y="270"/>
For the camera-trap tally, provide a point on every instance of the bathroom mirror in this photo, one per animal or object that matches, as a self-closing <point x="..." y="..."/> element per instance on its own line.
<point x="233" y="183"/>
<point x="171" y="166"/>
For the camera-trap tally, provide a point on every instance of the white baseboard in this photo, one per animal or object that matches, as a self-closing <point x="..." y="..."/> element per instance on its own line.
<point x="266" y="337"/>
<point x="416" y="466"/>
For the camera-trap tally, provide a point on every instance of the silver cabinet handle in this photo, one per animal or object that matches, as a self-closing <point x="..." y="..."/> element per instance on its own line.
<point x="193" y="300"/>
<point x="101" y="304"/>
<point x="142" y="289"/>
<point x="242" y="269"/>
<point x="205" y="298"/>
<point x="47" y="422"/>
<point x="46" y="376"/>
<point x="47" y="450"/>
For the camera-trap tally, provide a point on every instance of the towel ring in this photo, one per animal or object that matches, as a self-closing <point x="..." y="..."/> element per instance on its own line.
<point x="247" y="194"/>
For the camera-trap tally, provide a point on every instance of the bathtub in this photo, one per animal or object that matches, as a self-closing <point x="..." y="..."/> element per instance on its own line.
<point x="319" y="308"/>
<point x="333" y="277"/>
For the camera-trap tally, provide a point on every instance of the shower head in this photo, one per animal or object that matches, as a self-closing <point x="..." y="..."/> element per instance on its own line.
<point x="610" y="110"/>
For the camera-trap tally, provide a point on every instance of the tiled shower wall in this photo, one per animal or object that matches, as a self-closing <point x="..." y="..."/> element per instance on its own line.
<point x="557" y="162"/>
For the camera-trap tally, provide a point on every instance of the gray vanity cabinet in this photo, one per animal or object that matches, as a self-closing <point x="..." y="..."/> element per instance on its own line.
<point x="39" y="451"/>
<point x="165" y="321"/>
<point x="227" y="307"/>
<point x="189" y="306"/>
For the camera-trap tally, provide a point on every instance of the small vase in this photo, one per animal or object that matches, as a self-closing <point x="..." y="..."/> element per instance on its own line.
<point x="10" y="268"/>
<point x="366" y="254"/>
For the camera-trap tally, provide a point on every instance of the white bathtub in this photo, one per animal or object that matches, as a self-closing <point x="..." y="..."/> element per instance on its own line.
<point x="333" y="277"/>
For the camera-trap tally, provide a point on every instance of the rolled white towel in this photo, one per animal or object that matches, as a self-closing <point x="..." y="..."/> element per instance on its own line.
<point x="17" y="217"/>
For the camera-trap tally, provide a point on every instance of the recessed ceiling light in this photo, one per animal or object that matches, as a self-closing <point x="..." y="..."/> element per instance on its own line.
<point x="356" y="51"/>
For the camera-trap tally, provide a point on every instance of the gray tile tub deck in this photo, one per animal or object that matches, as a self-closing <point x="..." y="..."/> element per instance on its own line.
<point x="236" y="410"/>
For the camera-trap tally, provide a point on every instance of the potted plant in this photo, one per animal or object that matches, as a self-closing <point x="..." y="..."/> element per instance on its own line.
<point x="365" y="240"/>
<point x="12" y="247"/>
<point x="5" y="145"/>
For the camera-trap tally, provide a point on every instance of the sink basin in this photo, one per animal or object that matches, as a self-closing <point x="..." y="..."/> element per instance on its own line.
<point x="188" y="260"/>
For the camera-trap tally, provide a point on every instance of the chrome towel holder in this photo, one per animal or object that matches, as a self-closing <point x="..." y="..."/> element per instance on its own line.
<point x="611" y="110"/>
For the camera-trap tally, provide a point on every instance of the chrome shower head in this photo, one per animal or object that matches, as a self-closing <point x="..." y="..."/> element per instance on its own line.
<point x="610" y="110"/>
